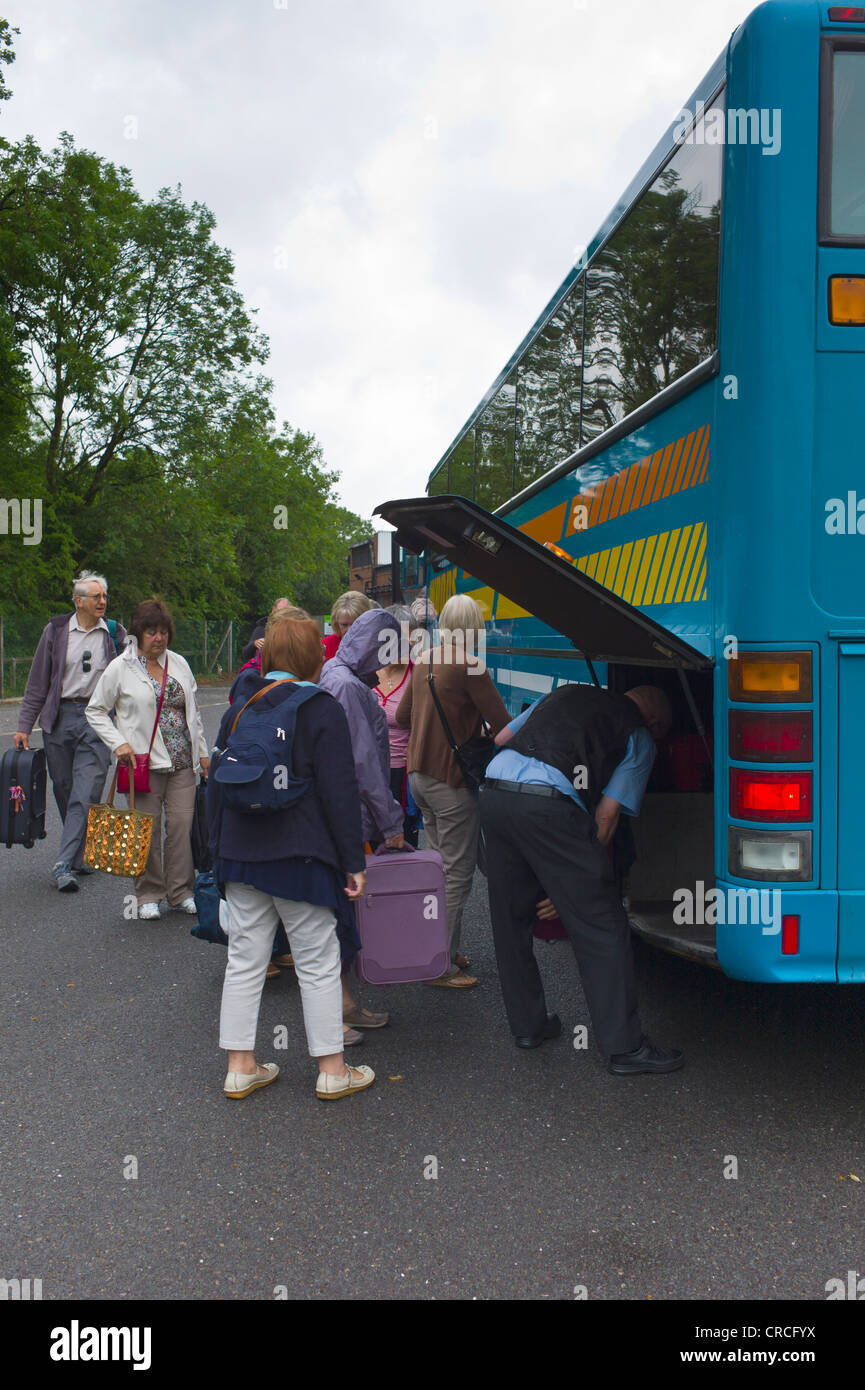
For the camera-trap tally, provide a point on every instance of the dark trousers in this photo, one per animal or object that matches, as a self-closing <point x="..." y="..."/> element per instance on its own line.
<point x="410" y="825"/>
<point x="538" y="846"/>
<point x="77" y="764"/>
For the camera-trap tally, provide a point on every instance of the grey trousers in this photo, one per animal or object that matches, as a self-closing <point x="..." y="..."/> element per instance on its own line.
<point x="450" y="819"/>
<point x="77" y="764"/>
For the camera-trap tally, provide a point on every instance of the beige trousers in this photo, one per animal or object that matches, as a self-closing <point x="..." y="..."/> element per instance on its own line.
<point x="451" y="821"/>
<point x="175" y="791"/>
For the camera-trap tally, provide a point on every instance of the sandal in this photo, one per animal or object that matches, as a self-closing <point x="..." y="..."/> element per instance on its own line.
<point x="362" y="1018"/>
<point x="460" y="981"/>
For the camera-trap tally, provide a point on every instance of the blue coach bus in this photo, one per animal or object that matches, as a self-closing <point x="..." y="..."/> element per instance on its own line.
<point x="664" y="484"/>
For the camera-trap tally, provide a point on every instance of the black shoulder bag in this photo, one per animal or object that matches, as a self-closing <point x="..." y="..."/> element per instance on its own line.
<point x="473" y="756"/>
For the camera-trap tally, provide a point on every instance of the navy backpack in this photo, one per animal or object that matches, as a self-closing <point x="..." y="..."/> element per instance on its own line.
<point x="255" y="774"/>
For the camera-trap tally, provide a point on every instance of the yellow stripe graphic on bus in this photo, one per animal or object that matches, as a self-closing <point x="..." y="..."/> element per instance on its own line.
<point x="678" y="466"/>
<point x="667" y="568"/>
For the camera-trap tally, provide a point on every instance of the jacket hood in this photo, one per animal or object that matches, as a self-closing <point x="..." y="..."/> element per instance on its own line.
<point x="362" y="649"/>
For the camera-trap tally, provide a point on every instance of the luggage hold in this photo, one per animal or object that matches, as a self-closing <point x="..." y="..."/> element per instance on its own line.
<point x="23" y="789"/>
<point x="402" y="918"/>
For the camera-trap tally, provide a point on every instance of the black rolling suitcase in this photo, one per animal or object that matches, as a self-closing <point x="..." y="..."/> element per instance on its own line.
<point x="23" y="784"/>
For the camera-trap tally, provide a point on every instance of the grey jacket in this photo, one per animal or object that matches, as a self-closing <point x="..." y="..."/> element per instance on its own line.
<point x="42" y="693"/>
<point x="343" y="677"/>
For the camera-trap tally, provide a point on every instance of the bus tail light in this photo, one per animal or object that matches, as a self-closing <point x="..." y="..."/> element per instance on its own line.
<point x="790" y="935"/>
<point x="758" y="736"/>
<point x="770" y="796"/>
<point x="769" y="855"/>
<point x="771" y="676"/>
<point x="847" y="299"/>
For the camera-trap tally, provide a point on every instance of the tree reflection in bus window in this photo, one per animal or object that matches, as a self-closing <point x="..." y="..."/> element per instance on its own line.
<point x="548" y="396"/>
<point x="462" y="467"/>
<point x="652" y="293"/>
<point x="494" y="463"/>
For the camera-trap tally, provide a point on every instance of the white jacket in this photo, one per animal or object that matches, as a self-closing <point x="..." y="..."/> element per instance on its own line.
<point x="124" y="689"/>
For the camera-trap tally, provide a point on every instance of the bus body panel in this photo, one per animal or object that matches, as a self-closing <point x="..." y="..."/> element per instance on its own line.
<point x="776" y="502"/>
<point x="752" y="950"/>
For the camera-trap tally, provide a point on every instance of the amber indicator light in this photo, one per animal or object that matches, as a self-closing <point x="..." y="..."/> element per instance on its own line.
<point x="771" y="676"/>
<point x="847" y="300"/>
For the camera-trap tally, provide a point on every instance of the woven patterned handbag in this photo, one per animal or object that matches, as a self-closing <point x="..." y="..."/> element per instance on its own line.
<point x="118" y="841"/>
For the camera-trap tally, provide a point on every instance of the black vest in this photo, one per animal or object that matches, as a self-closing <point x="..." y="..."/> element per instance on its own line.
<point x="580" y="726"/>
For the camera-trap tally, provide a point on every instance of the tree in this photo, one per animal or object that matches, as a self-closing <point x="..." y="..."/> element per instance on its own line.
<point x="131" y="320"/>
<point x="7" y="55"/>
<point x="131" y="407"/>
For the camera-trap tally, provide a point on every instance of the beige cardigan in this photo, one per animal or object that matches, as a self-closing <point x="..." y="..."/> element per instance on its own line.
<point x="124" y="689"/>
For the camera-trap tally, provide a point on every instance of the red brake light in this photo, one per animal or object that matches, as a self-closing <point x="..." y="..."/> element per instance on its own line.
<point x="770" y="796"/>
<point x="757" y="736"/>
<point x="845" y="14"/>
<point x="789" y="936"/>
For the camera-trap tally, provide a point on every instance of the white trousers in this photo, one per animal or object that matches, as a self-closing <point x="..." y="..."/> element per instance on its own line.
<point x="254" y="917"/>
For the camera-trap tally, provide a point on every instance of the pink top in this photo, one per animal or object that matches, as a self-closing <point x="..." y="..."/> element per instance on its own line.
<point x="397" y="735"/>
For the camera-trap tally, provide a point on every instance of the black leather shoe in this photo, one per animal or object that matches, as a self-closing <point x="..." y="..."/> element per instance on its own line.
<point x="551" y="1029"/>
<point x="646" y="1058"/>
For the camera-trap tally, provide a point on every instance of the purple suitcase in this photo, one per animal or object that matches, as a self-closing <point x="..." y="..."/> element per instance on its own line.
<point x="402" y="918"/>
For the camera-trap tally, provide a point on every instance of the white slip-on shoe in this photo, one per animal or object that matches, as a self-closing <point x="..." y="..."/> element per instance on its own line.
<point x="335" y="1087"/>
<point x="149" y="912"/>
<point x="188" y="906"/>
<point x="239" y="1084"/>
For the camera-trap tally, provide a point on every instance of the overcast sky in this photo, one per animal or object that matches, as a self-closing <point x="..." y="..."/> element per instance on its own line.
<point x="402" y="184"/>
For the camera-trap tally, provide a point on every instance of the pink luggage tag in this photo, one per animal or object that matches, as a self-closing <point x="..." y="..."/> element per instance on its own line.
<point x="17" y="797"/>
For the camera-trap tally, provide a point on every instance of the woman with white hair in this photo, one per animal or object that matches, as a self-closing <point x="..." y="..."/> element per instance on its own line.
<point x="468" y="697"/>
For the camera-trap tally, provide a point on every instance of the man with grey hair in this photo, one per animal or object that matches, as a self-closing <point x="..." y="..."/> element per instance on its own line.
<point x="73" y="652"/>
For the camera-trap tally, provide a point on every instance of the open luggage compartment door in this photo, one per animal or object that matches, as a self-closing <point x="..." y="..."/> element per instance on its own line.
<point x="600" y="625"/>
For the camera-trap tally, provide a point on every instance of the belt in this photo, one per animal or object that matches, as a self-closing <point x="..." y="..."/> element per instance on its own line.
<point x="528" y="788"/>
<point x="75" y="699"/>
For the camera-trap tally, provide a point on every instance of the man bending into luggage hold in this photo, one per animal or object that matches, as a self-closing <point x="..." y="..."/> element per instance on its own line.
<point x="549" y="807"/>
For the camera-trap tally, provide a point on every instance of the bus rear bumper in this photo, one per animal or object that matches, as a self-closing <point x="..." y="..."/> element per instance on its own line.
<point x="751" y="948"/>
<point x="851" y="938"/>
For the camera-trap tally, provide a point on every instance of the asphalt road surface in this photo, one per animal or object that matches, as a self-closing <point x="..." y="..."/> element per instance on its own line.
<point x="470" y="1170"/>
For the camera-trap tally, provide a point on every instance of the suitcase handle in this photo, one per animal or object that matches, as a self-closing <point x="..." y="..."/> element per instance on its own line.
<point x="383" y="849"/>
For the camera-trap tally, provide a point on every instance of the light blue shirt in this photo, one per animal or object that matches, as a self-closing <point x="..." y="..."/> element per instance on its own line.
<point x="627" y="784"/>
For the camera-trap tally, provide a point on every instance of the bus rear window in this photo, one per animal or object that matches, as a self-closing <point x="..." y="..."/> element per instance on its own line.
<point x="847" y="147"/>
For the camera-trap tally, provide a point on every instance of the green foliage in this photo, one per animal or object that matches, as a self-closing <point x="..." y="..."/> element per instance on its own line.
<point x="131" y="406"/>
<point x="7" y="55"/>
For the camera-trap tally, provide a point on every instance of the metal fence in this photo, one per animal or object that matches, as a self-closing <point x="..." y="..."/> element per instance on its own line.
<point x="210" y="645"/>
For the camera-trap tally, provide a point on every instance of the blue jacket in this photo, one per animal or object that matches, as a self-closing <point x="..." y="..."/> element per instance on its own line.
<point x="325" y="823"/>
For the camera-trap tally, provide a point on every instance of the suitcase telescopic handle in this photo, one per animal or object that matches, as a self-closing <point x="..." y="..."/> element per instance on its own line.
<point x="385" y="849"/>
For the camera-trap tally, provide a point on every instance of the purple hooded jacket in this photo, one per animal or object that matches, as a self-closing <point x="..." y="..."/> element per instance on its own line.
<point x="360" y="656"/>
